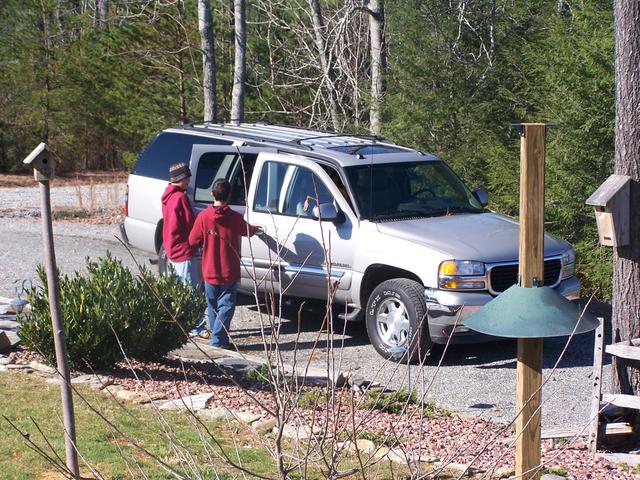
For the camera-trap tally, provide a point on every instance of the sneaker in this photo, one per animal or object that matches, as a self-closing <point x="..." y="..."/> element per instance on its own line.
<point x="195" y="333"/>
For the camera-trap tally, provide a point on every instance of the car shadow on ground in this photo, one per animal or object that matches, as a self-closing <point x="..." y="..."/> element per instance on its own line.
<point x="302" y="326"/>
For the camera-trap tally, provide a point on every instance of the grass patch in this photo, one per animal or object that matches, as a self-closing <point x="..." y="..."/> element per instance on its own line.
<point x="310" y="398"/>
<point x="24" y="398"/>
<point x="113" y="453"/>
<point x="560" y="471"/>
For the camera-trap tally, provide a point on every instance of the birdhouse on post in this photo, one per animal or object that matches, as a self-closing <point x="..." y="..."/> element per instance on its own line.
<point x="611" y="202"/>
<point x="44" y="165"/>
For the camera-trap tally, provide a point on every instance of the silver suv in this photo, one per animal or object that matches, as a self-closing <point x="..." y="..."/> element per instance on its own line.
<point x="393" y="233"/>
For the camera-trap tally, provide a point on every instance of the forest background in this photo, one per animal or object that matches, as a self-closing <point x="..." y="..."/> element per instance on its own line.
<point x="98" y="79"/>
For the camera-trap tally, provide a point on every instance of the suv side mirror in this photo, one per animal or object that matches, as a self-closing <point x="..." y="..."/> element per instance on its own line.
<point x="327" y="212"/>
<point x="482" y="196"/>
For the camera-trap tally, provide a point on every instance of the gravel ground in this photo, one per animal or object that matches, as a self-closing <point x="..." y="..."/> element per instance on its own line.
<point x="478" y="380"/>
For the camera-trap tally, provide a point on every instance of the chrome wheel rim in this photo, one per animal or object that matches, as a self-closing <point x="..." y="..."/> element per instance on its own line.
<point x="392" y="323"/>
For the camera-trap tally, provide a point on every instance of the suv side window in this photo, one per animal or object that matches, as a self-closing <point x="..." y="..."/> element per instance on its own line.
<point x="168" y="148"/>
<point x="212" y="166"/>
<point x="289" y="190"/>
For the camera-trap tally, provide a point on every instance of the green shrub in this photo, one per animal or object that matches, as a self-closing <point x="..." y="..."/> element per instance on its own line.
<point x="397" y="402"/>
<point x="108" y="304"/>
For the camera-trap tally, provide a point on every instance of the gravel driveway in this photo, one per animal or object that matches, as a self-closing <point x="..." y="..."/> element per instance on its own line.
<point x="477" y="380"/>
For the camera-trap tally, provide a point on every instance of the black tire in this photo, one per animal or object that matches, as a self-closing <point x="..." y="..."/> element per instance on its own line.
<point x="405" y="337"/>
<point x="163" y="261"/>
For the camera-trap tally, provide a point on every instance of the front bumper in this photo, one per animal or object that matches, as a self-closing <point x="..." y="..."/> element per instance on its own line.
<point x="446" y="310"/>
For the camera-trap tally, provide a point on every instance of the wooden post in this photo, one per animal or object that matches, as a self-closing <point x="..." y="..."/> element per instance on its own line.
<point x="598" y="345"/>
<point x="529" y="370"/>
<point x="58" y="332"/>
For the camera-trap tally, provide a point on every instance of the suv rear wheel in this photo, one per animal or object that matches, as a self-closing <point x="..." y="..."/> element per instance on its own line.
<point x="396" y="319"/>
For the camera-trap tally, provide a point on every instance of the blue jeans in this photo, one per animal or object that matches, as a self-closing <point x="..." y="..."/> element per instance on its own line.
<point x="186" y="271"/>
<point x="221" y="303"/>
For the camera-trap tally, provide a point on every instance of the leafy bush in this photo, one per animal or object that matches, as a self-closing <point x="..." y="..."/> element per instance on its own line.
<point x="148" y="314"/>
<point x="397" y="402"/>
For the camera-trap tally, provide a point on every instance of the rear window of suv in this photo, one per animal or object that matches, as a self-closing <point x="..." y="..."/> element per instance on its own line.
<point x="168" y="148"/>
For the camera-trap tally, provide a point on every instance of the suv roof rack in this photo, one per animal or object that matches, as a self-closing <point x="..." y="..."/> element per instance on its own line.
<point x="375" y="138"/>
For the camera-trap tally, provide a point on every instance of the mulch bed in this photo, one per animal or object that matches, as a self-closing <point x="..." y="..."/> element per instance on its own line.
<point x="450" y="438"/>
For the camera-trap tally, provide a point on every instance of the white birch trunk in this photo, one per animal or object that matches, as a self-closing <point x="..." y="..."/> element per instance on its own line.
<point x="205" y="26"/>
<point x="376" y="31"/>
<point x="239" y="69"/>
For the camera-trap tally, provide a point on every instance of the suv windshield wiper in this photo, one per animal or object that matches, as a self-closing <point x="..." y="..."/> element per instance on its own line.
<point x="402" y="214"/>
<point x="454" y="210"/>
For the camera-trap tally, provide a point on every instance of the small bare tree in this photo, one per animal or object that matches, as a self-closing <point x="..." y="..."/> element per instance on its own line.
<point x="319" y="33"/>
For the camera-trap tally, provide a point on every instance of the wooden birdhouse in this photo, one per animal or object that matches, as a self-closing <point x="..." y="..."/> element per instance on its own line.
<point x="43" y="163"/>
<point x="611" y="202"/>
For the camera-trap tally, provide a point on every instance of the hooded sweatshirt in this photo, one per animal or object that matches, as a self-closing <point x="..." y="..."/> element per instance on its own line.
<point x="218" y="229"/>
<point x="178" y="220"/>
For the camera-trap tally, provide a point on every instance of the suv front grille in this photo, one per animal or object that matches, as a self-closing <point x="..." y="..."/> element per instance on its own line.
<point x="502" y="277"/>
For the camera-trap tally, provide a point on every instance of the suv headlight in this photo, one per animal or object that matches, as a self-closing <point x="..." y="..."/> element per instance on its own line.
<point x="568" y="264"/>
<point x="462" y="275"/>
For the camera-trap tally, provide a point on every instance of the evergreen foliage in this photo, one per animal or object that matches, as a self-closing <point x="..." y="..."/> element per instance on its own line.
<point x="110" y="310"/>
<point x="458" y="74"/>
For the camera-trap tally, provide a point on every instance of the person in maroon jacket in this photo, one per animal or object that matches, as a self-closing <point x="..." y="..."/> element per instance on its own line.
<point x="218" y="229"/>
<point x="178" y="219"/>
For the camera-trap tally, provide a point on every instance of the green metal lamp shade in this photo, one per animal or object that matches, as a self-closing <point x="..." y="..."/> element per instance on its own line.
<point x="536" y="312"/>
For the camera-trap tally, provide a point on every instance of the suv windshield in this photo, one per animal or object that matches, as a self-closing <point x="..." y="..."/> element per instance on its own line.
<point x="401" y="190"/>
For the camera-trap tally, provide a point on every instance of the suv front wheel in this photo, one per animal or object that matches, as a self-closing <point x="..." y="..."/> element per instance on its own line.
<point x="397" y="320"/>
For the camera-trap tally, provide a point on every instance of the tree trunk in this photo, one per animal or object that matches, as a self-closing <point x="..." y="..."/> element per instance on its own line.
<point x="626" y="260"/>
<point x="239" y="69"/>
<point x="205" y="26"/>
<point x="318" y="31"/>
<point x="103" y="13"/>
<point x="376" y="31"/>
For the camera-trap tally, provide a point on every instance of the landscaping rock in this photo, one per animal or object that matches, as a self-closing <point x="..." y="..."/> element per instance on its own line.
<point x="552" y="476"/>
<point x="392" y="454"/>
<point x="8" y="340"/>
<point x="236" y="366"/>
<point x="42" y="368"/>
<point x="264" y="425"/>
<point x="193" y="402"/>
<point x="18" y="366"/>
<point x="456" y="469"/>
<point x="361" y="445"/>
<point x="8" y="324"/>
<point x="112" y="390"/>
<point x="298" y="432"/>
<point x="4" y="360"/>
<point x="128" y="396"/>
<point x="503" y="472"/>
<point x="295" y="432"/>
<point x="423" y="458"/>
<point x="96" y="382"/>
<point x="217" y="413"/>
<point x="246" y="417"/>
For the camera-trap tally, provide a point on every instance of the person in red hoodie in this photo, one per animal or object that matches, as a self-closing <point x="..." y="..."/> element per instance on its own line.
<point x="218" y="229"/>
<point x="178" y="219"/>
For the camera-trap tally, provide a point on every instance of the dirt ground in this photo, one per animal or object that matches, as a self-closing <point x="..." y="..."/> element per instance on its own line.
<point x="13" y="180"/>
